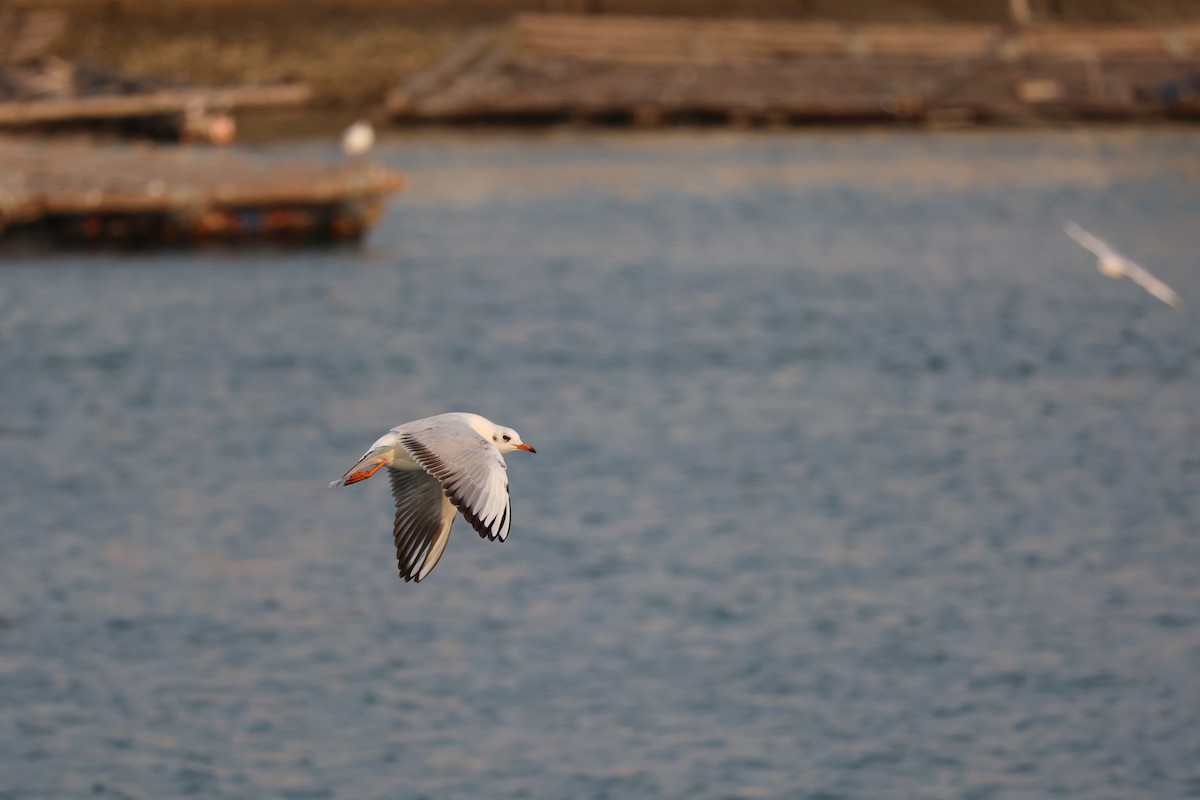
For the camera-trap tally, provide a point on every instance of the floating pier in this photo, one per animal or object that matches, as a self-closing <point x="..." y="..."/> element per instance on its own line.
<point x="650" y="71"/>
<point x="75" y="193"/>
<point x="57" y="96"/>
<point x="40" y="92"/>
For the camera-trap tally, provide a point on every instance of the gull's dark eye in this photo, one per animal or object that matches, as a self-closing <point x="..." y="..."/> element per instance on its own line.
<point x="507" y="437"/>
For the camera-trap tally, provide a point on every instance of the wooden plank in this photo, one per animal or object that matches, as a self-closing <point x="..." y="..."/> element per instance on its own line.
<point x="1106" y="42"/>
<point x="445" y="72"/>
<point x="662" y="40"/>
<point x="40" y="112"/>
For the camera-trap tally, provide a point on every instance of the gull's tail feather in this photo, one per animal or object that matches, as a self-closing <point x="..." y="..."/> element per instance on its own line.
<point x="371" y="463"/>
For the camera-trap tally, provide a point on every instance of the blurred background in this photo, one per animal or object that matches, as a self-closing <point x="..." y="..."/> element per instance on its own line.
<point x="855" y="478"/>
<point x="352" y="51"/>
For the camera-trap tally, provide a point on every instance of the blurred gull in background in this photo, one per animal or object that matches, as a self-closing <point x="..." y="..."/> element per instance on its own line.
<point x="358" y="138"/>
<point x="1114" y="265"/>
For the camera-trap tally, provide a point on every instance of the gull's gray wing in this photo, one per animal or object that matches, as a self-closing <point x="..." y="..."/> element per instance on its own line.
<point x="1093" y="243"/>
<point x="1142" y="277"/>
<point x="469" y="468"/>
<point x="422" y="525"/>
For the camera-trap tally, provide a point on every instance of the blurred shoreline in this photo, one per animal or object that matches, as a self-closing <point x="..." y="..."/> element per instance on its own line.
<point x="353" y="51"/>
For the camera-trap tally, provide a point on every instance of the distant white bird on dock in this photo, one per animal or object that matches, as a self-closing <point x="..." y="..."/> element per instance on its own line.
<point x="358" y="138"/>
<point x="1114" y="265"/>
<point x="437" y="465"/>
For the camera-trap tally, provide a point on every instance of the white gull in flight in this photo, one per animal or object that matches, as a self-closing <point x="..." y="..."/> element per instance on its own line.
<point x="439" y="465"/>
<point x="1114" y="265"/>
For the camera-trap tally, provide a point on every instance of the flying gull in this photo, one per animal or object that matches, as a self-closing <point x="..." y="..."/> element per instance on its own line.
<point x="1114" y="265"/>
<point x="439" y="465"/>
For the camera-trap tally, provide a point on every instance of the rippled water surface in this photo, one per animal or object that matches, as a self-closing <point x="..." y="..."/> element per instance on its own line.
<point x="854" y="479"/>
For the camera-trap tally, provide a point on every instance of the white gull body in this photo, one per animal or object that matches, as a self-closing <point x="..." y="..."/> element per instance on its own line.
<point x="440" y="465"/>
<point x="358" y="138"/>
<point x="1114" y="265"/>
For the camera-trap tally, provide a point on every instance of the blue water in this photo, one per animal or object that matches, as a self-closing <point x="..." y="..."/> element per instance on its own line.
<point x="855" y="479"/>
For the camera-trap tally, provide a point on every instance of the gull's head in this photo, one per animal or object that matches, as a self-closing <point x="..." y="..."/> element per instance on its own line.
<point x="507" y="440"/>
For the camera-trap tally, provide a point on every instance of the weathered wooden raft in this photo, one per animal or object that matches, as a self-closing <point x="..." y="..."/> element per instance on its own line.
<point x="72" y="192"/>
<point x="58" y="95"/>
<point x="40" y="91"/>
<point x="654" y="70"/>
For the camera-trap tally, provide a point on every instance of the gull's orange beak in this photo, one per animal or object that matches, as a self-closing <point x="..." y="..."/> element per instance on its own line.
<point x="528" y="448"/>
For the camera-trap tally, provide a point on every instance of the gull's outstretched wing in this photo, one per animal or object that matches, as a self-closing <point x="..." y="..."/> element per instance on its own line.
<point x="1093" y="243"/>
<point x="469" y="468"/>
<point x="1142" y="277"/>
<point x="423" y="520"/>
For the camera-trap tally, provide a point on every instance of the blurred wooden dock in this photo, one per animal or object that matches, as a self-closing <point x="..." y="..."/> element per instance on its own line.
<point x="38" y="91"/>
<point x="49" y="95"/>
<point x="648" y="71"/>
<point x="145" y="103"/>
<point x="76" y="193"/>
